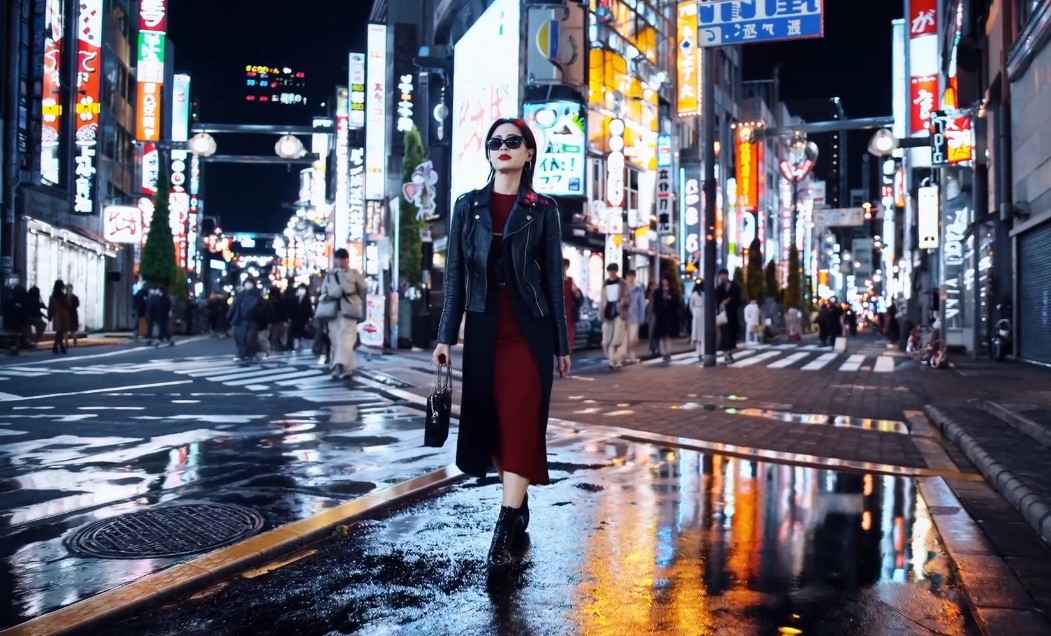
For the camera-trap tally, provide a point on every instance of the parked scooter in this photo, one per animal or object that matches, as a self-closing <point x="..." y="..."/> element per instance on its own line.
<point x="1000" y="342"/>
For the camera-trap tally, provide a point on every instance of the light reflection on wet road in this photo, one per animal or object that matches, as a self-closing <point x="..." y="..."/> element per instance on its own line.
<point x="284" y="463"/>
<point x="631" y="538"/>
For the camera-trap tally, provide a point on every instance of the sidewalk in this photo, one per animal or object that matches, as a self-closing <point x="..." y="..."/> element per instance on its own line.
<point x="1002" y="423"/>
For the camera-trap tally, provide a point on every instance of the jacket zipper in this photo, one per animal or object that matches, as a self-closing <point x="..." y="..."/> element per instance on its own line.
<point x="536" y="297"/>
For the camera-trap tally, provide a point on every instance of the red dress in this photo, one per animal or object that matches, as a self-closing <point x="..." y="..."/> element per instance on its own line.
<point x="517" y="387"/>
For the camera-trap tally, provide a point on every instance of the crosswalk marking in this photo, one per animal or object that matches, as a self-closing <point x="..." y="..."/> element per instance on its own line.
<point x="884" y="364"/>
<point x="853" y="363"/>
<point x="790" y="360"/>
<point x="821" y="362"/>
<point x="756" y="359"/>
<point x="274" y="376"/>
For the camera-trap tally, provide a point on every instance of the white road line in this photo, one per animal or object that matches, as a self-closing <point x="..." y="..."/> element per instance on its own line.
<point x="821" y="362"/>
<point x="884" y="364"/>
<point x="281" y="375"/>
<point x="789" y="361"/>
<point x="244" y="374"/>
<point x="853" y="363"/>
<point x="92" y="391"/>
<point x="308" y="375"/>
<point x="8" y="397"/>
<point x="204" y="373"/>
<point x="756" y="359"/>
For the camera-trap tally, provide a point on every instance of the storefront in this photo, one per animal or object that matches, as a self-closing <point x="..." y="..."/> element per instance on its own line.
<point x="54" y="253"/>
<point x="1034" y="294"/>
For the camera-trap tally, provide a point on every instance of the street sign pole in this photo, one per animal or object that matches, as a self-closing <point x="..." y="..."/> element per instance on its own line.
<point x="708" y="59"/>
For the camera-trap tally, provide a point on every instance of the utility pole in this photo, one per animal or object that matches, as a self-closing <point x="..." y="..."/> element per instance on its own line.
<point x="9" y="151"/>
<point x="708" y="60"/>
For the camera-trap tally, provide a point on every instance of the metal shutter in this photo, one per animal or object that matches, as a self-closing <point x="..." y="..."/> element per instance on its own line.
<point x="1034" y="295"/>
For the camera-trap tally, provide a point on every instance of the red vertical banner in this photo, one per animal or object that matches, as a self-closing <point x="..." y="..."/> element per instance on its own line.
<point x="923" y="101"/>
<point x="747" y="170"/>
<point x="51" y="93"/>
<point x="88" y="106"/>
<point x="923" y="18"/>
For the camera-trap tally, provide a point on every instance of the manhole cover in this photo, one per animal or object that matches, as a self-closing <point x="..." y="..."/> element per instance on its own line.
<point x="165" y="532"/>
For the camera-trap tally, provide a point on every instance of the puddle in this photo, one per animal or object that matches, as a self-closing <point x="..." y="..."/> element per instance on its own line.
<point x="843" y="421"/>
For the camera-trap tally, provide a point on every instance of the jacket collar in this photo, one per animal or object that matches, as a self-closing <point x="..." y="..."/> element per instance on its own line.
<point x="525" y="207"/>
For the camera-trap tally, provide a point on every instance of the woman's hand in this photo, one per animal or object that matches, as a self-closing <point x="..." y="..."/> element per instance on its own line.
<point x="442" y="356"/>
<point x="564" y="364"/>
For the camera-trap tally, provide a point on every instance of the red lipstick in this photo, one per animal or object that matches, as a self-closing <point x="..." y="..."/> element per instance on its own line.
<point x="504" y="157"/>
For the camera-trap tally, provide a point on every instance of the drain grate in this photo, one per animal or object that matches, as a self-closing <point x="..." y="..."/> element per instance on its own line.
<point x="170" y="531"/>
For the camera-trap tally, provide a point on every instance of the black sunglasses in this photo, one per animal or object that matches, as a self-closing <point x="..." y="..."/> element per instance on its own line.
<point x="512" y="142"/>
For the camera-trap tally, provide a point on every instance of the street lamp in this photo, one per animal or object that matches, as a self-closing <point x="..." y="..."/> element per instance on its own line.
<point x="883" y="143"/>
<point x="202" y="144"/>
<point x="289" y="147"/>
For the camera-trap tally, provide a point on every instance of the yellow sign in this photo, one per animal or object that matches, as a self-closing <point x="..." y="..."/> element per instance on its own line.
<point x="688" y="64"/>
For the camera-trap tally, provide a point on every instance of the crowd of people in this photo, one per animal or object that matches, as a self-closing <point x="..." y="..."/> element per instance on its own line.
<point x="27" y="316"/>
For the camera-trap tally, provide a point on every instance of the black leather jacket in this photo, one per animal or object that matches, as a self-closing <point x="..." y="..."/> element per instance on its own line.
<point x="534" y="235"/>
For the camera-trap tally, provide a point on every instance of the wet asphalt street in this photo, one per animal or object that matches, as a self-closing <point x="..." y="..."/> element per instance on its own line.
<point x="630" y="538"/>
<point x="111" y="430"/>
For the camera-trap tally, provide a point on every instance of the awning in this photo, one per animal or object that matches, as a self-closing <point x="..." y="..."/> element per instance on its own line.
<point x="80" y="237"/>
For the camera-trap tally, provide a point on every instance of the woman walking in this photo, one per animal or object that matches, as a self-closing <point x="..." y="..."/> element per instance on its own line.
<point x="505" y="270"/>
<point x="58" y="312"/>
<point x="697" y="316"/>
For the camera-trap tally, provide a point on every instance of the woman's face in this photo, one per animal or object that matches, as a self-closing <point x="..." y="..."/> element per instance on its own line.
<point x="504" y="158"/>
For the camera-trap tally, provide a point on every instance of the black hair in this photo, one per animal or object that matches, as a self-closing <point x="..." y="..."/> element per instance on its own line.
<point x="59" y="288"/>
<point x="530" y="143"/>
<point x="724" y="271"/>
<point x="630" y="272"/>
<point x="565" y="262"/>
<point x="341" y="253"/>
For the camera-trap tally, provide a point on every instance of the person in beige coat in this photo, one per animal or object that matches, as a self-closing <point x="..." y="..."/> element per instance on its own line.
<point x="349" y="286"/>
<point x="61" y="317"/>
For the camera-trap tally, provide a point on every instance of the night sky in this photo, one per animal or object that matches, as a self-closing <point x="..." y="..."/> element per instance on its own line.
<point x="215" y="40"/>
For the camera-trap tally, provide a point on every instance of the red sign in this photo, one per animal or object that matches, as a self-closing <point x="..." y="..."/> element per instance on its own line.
<point x="952" y="139"/>
<point x="923" y="18"/>
<point x="747" y="170"/>
<point x="153" y="16"/>
<point x="88" y="105"/>
<point x="923" y="100"/>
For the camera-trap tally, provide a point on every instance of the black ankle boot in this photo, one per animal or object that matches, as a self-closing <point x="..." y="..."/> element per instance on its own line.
<point x="508" y="528"/>
<point x="523" y="512"/>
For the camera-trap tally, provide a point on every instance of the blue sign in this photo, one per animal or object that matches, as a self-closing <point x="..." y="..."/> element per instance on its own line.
<point x="744" y="21"/>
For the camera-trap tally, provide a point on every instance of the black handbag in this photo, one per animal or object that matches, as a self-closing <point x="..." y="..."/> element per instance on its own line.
<point x="439" y="408"/>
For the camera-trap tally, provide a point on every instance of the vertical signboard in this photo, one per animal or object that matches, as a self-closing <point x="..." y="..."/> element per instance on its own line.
<point x="615" y="193"/>
<point x="747" y="170"/>
<point x="51" y="93"/>
<point x="688" y="62"/>
<point x="376" y="113"/>
<point x="357" y="91"/>
<point x="927" y="219"/>
<point x="181" y="108"/>
<point x="924" y="67"/>
<point x="153" y="25"/>
<point x="341" y="220"/>
<point x="179" y="204"/>
<point x="952" y="138"/>
<point x="193" y="219"/>
<point x="664" y="185"/>
<point x="690" y="214"/>
<point x="356" y="209"/>
<point x="88" y="105"/>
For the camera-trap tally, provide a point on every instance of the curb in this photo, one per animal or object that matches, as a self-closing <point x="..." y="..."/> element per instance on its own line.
<point x="1036" y="513"/>
<point x="139" y="595"/>
<point x="1017" y="420"/>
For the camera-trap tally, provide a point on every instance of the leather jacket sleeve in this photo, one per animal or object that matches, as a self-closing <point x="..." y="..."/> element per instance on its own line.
<point x="455" y="292"/>
<point x="553" y="276"/>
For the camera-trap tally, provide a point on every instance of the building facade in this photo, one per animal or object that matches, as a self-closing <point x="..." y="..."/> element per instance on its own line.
<point x="74" y="153"/>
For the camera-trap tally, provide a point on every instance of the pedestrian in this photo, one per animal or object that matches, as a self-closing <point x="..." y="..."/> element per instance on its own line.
<point x="834" y="321"/>
<point x="636" y="315"/>
<point x="728" y="297"/>
<point x="752" y="316"/>
<point x="614" y="302"/>
<point x="59" y="315"/>
<point x="299" y="310"/>
<point x="666" y="310"/>
<point x="348" y="287"/>
<point x="574" y="300"/>
<point x="651" y="327"/>
<point x="503" y="269"/>
<point x="35" y="314"/>
<point x="244" y="316"/>
<point x="697" y="318"/>
<point x="159" y="310"/>
<point x="74" y="314"/>
<point x="17" y="312"/>
<point x="141" y="302"/>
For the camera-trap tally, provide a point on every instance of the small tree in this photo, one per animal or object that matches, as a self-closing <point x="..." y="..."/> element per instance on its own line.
<point x="773" y="288"/>
<point x="410" y="248"/>
<point x="793" y="291"/>
<point x="754" y="279"/>
<point x="158" y="256"/>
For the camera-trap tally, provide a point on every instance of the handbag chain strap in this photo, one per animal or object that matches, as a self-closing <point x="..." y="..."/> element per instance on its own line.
<point x="443" y="381"/>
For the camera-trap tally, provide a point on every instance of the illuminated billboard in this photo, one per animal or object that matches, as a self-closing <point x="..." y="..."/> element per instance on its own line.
<point x="357" y="90"/>
<point x="88" y="106"/>
<point x="275" y="85"/>
<point x="51" y="93"/>
<point x="376" y="113"/>
<point x="560" y="128"/>
<point x="181" y="108"/>
<point x="485" y="87"/>
<point x="153" y="25"/>
<point x="688" y="62"/>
